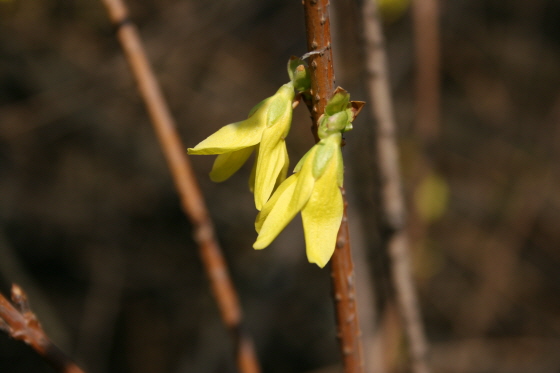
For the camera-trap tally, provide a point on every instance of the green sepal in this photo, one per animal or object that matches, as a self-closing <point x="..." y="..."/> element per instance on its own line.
<point x="323" y="155"/>
<point x="339" y="114"/>
<point x="339" y="102"/>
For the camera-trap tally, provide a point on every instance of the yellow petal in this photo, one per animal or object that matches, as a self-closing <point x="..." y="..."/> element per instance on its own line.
<point x="306" y="181"/>
<point x="269" y="166"/>
<point x="286" y="202"/>
<point x="284" y="191"/>
<point x="227" y="164"/>
<point x="284" y="172"/>
<point x="234" y="136"/>
<point x="276" y="214"/>
<point x="322" y="215"/>
<point x="254" y="171"/>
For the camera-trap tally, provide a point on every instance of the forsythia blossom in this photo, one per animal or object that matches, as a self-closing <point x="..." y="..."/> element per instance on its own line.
<point x="314" y="188"/>
<point x="265" y="129"/>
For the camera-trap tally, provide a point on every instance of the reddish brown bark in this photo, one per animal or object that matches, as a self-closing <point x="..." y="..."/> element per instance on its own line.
<point x="344" y="290"/>
<point x="20" y="323"/>
<point x="187" y="187"/>
<point x="317" y="23"/>
<point x="318" y="29"/>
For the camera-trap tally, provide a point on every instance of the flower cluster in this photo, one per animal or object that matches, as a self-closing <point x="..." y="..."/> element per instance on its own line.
<point x="264" y="130"/>
<point x="313" y="189"/>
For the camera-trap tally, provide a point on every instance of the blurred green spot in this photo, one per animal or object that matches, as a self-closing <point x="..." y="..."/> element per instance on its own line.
<point x="431" y="198"/>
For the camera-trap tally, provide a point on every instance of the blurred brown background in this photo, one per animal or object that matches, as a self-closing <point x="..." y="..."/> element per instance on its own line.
<point x="92" y="229"/>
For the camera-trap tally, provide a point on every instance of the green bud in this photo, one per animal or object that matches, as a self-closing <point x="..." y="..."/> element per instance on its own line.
<point x="299" y="74"/>
<point x="339" y="102"/>
<point x="339" y="114"/>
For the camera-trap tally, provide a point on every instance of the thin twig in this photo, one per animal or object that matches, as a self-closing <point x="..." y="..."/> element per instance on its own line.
<point x="20" y="323"/>
<point x="186" y="185"/>
<point x="342" y="269"/>
<point x="394" y="233"/>
<point x="13" y="270"/>
<point x="426" y="33"/>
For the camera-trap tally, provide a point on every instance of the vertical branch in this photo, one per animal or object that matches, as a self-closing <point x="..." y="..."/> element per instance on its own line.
<point x="426" y="34"/>
<point x="342" y="269"/>
<point x="343" y="278"/>
<point x="392" y="203"/>
<point x="186" y="185"/>
<point x="318" y="29"/>
<point x="20" y="323"/>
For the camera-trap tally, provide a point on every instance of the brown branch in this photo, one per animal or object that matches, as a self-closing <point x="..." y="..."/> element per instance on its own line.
<point x="342" y="269"/>
<point x="186" y="185"/>
<point x="394" y="233"/>
<point x="318" y="29"/>
<point x="20" y="323"/>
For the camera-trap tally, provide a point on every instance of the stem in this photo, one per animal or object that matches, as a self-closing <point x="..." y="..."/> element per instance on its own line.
<point x="426" y="33"/>
<point x="186" y="185"/>
<point x="317" y="24"/>
<point x="394" y="234"/>
<point x="20" y="323"/>
<point x="318" y="29"/>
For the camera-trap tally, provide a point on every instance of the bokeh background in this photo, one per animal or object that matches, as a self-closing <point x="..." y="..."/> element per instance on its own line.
<point x="91" y="227"/>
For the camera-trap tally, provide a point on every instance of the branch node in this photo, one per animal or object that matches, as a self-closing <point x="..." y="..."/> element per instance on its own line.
<point x="19" y="298"/>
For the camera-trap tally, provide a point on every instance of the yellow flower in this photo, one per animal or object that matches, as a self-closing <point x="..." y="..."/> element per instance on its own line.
<point x="265" y="129"/>
<point x="314" y="189"/>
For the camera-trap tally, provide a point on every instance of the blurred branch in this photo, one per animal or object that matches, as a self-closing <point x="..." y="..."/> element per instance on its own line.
<point x="13" y="270"/>
<point x="426" y="33"/>
<point x="20" y="323"/>
<point x="322" y="86"/>
<point x="185" y="183"/>
<point x="394" y="233"/>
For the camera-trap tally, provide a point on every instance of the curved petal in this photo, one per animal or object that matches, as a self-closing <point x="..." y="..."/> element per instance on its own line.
<point x="322" y="215"/>
<point x="284" y="191"/>
<point x="276" y="214"/>
<point x="286" y="202"/>
<point x="234" y="136"/>
<point x="284" y="171"/>
<point x="268" y="168"/>
<point x="227" y="164"/>
<point x="306" y="181"/>
<point x="254" y="171"/>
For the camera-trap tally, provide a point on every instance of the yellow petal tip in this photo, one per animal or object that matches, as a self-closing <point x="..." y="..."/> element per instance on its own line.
<point x="320" y="260"/>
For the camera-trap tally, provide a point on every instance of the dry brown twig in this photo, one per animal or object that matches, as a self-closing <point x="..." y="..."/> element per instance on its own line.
<point x="322" y="86"/>
<point x="394" y="233"/>
<point x="20" y="323"/>
<point x="185" y="183"/>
